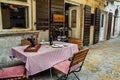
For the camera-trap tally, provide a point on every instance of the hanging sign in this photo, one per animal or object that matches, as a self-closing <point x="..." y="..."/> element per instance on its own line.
<point x="58" y="18"/>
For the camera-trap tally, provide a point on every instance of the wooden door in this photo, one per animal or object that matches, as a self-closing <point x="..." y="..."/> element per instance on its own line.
<point x="103" y="20"/>
<point x="74" y="21"/>
<point x="109" y="25"/>
<point x="102" y="27"/>
<point x="96" y="26"/>
<point x="87" y="24"/>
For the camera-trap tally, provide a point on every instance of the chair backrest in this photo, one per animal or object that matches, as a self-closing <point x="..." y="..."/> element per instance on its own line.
<point x="76" y="41"/>
<point x="79" y="56"/>
<point x="72" y="66"/>
<point x="25" y="42"/>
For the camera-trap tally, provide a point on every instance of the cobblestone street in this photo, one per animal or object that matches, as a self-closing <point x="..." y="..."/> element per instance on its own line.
<point x="102" y="63"/>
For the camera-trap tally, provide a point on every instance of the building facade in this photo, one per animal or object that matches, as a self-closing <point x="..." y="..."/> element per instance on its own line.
<point x="92" y="21"/>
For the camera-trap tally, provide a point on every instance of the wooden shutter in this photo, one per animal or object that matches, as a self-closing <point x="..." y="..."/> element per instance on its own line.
<point x="42" y="14"/>
<point x="109" y="25"/>
<point x="97" y="26"/>
<point x="87" y="24"/>
<point x="57" y="7"/>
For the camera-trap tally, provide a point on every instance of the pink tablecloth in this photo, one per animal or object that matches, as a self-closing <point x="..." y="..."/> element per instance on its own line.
<point x="45" y="58"/>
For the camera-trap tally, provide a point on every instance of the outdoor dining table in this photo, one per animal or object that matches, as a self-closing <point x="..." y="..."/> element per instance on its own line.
<point x="45" y="57"/>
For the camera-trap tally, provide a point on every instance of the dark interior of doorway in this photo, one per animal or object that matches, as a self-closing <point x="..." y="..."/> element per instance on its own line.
<point x="67" y="5"/>
<point x="66" y="14"/>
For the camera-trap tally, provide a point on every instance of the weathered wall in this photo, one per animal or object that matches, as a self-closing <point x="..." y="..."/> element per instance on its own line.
<point x="111" y="8"/>
<point x="101" y="5"/>
<point x="93" y="4"/>
<point x="6" y="42"/>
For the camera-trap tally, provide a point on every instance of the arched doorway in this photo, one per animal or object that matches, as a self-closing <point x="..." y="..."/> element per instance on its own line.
<point x="115" y="30"/>
<point x="73" y="19"/>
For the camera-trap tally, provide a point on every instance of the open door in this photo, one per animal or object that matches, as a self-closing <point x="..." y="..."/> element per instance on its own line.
<point x="74" y="21"/>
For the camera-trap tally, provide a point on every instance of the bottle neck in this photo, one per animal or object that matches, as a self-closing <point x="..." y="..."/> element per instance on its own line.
<point x="51" y="38"/>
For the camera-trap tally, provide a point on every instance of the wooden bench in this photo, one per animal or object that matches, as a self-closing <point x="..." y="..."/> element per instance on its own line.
<point x="14" y="73"/>
<point x="76" y="41"/>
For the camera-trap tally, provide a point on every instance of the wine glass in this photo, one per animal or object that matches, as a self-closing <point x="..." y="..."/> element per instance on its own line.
<point x="59" y="38"/>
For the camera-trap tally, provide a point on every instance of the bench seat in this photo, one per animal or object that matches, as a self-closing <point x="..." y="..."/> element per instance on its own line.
<point x="10" y="72"/>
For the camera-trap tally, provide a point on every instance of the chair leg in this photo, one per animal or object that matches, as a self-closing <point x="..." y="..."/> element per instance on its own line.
<point x="76" y="76"/>
<point x="51" y="76"/>
<point x="63" y="77"/>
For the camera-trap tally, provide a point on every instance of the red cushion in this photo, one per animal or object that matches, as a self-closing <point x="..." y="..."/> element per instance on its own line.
<point x="1" y="73"/>
<point x="64" y="66"/>
<point x="15" y="71"/>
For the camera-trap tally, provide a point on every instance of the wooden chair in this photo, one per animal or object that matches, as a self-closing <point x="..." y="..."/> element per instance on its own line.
<point x="67" y="67"/>
<point x="76" y="41"/>
<point x="25" y="42"/>
<point x="12" y="73"/>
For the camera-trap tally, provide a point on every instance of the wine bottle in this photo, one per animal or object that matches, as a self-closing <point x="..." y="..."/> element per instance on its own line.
<point x="51" y="38"/>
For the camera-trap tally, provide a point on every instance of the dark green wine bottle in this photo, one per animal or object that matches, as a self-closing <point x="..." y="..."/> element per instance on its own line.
<point x="51" y="38"/>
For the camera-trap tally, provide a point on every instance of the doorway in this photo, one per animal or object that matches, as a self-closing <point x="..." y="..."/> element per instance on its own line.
<point x="108" y="36"/>
<point x="72" y="18"/>
<point x="102" y="26"/>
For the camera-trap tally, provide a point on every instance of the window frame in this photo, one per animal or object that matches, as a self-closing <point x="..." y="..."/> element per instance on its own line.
<point x="29" y="14"/>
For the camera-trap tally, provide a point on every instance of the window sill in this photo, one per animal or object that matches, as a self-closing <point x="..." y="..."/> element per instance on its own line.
<point x="9" y="33"/>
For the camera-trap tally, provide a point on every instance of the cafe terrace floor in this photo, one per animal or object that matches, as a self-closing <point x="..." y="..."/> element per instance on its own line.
<point x="102" y="63"/>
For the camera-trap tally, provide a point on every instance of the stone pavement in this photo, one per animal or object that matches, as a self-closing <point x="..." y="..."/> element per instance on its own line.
<point x="102" y="63"/>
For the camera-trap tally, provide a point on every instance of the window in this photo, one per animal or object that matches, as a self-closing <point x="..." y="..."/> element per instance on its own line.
<point x="102" y="20"/>
<point x="73" y="20"/>
<point x="15" y="14"/>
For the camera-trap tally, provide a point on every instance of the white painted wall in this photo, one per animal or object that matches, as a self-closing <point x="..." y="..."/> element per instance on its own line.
<point x="117" y="24"/>
<point x="111" y="8"/>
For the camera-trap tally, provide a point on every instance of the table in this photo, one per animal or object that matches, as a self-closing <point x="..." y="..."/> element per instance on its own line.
<point x="45" y="58"/>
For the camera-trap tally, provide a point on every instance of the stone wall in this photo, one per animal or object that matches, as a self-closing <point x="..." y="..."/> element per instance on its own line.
<point x="6" y="42"/>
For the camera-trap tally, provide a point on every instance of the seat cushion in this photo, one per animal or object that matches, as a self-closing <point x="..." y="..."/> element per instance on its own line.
<point x="64" y="66"/>
<point x="1" y="72"/>
<point x="15" y="71"/>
